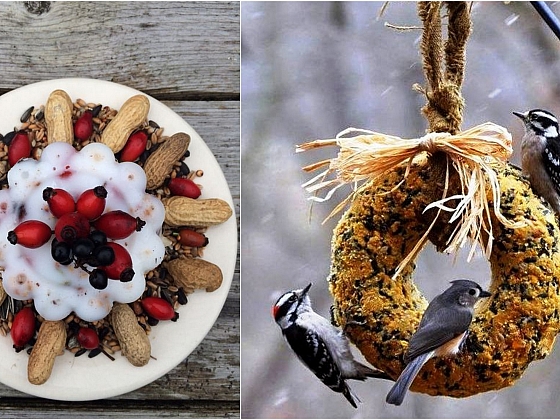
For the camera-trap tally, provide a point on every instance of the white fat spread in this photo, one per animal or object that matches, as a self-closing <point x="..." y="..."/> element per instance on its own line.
<point x="58" y="290"/>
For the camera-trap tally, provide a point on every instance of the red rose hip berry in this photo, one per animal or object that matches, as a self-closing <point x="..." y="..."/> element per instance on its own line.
<point x="23" y="327"/>
<point x="121" y="267"/>
<point x="91" y="203"/>
<point x="118" y="224"/>
<point x="71" y="226"/>
<point x="158" y="308"/>
<point x="83" y="127"/>
<point x="60" y="201"/>
<point x="30" y="234"/>
<point x="88" y="338"/>
<point x="134" y="147"/>
<point x="189" y="237"/>
<point x="20" y="148"/>
<point x="184" y="187"/>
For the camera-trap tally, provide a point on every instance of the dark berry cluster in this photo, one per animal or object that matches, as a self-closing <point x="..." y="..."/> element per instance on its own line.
<point x="82" y="235"/>
<point x="93" y="251"/>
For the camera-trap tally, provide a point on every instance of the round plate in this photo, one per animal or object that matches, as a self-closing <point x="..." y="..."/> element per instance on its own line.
<point x="82" y="378"/>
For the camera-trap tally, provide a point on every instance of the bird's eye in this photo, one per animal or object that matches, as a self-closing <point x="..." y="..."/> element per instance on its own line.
<point x="473" y="292"/>
<point x="292" y="298"/>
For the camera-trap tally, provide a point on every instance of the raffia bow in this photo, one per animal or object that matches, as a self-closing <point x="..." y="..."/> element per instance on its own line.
<point x="473" y="154"/>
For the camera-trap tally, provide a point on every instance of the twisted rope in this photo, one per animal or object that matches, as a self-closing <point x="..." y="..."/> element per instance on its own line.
<point x="472" y="154"/>
<point x="444" y="64"/>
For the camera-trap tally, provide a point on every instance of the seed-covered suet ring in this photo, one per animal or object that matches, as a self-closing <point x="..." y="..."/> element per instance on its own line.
<point x="379" y="306"/>
<point x="448" y="187"/>
<point x="514" y="327"/>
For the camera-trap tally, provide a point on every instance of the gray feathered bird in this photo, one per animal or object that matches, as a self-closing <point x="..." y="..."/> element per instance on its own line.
<point x="442" y="329"/>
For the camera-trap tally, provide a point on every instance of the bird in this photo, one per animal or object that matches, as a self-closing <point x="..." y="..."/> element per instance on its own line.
<point x="540" y="154"/>
<point x="441" y="332"/>
<point x="322" y="347"/>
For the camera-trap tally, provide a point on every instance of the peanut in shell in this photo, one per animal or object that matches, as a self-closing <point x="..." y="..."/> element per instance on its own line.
<point x="134" y="342"/>
<point x="58" y="117"/>
<point x="51" y="341"/>
<point x="195" y="273"/>
<point x="185" y="211"/>
<point x="159" y="164"/>
<point x="130" y="117"/>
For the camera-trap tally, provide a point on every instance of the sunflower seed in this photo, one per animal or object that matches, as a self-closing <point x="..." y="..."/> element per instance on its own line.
<point x="95" y="111"/>
<point x="9" y="137"/>
<point x="94" y="352"/>
<point x="79" y="352"/>
<point x="182" y="297"/>
<point x="25" y="116"/>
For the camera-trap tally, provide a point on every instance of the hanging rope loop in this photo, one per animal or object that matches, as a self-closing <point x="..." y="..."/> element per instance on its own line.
<point x="444" y="64"/>
<point x="470" y="155"/>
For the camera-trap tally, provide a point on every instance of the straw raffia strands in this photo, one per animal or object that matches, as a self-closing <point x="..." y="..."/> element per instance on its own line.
<point x="472" y="153"/>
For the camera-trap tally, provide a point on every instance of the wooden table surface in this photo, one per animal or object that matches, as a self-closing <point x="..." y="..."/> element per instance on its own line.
<point x="187" y="55"/>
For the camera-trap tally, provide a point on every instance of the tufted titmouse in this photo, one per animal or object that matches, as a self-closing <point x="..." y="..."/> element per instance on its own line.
<point x="442" y="329"/>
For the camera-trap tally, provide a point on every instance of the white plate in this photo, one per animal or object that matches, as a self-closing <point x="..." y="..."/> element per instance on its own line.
<point x="82" y="378"/>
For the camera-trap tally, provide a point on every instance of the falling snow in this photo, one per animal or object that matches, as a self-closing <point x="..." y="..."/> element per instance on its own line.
<point x="386" y="91"/>
<point x="494" y="93"/>
<point x="511" y="19"/>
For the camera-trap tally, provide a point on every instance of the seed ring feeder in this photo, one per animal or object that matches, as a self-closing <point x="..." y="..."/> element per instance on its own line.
<point x="438" y="190"/>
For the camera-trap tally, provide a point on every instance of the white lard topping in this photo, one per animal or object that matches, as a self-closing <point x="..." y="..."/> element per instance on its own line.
<point x="57" y="290"/>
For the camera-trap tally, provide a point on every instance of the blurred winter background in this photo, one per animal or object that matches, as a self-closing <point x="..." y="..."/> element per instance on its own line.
<point x="310" y="70"/>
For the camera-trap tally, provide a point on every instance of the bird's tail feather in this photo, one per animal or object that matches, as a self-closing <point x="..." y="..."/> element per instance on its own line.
<point x="350" y="396"/>
<point x="364" y="372"/>
<point x="398" y="391"/>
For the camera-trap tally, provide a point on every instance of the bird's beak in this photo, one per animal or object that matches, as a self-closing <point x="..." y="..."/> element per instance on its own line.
<point x="484" y="294"/>
<point x="521" y="115"/>
<point x="305" y="290"/>
<point x="303" y="293"/>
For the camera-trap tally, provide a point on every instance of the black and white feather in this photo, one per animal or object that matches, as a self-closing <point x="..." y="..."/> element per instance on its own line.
<point x="540" y="154"/>
<point x="319" y="345"/>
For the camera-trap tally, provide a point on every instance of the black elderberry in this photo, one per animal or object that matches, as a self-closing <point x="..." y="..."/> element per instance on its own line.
<point x="98" y="237"/>
<point x="98" y="279"/>
<point x="83" y="247"/>
<point x="104" y="255"/>
<point x="61" y="252"/>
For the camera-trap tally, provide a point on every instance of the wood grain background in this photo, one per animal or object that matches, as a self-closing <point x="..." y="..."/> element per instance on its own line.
<point x="185" y="54"/>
